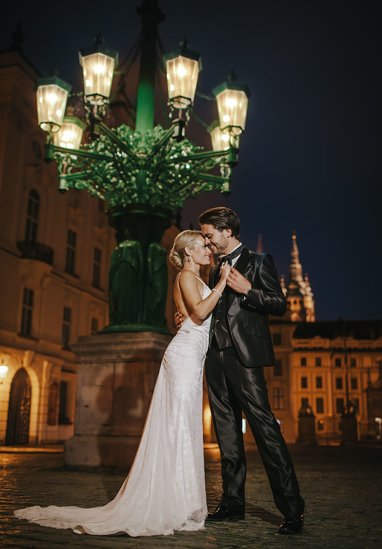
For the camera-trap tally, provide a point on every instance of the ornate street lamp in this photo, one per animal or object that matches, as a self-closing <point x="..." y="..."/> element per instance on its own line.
<point x="143" y="174"/>
<point x="3" y="372"/>
<point x="70" y="134"/>
<point x="52" y="94"/>
<point x="223" y="141"/>
<point x="220" y="140"/>
<point x="232" y="100"/>
<point x="98" y="65"/>
<point x="182" y="68"/>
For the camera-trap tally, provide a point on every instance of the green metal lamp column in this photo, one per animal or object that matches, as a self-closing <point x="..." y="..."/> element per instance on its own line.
<point x="138" y="273"/>
<point x="151" y="16"/>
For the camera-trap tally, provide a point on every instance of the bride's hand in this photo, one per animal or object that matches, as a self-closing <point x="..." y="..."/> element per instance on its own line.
<point x="225" y="269"/>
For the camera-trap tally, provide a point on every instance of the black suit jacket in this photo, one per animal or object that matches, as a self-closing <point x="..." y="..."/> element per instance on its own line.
<point x="247" y="316"/>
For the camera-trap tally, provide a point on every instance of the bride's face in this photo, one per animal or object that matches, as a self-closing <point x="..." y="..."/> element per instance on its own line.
<point x="200" y="252"/>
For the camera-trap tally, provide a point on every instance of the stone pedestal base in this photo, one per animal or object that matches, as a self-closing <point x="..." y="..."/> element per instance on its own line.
<point x="116" y="380"/>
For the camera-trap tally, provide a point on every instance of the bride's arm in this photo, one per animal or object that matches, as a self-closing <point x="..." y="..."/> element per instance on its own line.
<point x="199" y="308"/>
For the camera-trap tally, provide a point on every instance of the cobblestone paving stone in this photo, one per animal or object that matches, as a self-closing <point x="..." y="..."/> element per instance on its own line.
<point x="342" y="488"/>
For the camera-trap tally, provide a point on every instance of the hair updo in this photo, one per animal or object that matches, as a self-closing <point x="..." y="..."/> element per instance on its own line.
<point x="185" y="239"/>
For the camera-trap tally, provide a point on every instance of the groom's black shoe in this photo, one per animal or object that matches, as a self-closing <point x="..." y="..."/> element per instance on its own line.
<point x="224" y="512"/>
<point x="289" y="526"/>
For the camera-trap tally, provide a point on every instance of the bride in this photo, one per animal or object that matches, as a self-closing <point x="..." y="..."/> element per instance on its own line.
<point x="165" y="488"/>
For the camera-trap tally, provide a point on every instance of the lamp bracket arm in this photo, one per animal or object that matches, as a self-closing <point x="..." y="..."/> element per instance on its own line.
<point x="55" y="149"/>
<point x="161" y="143"/>
<point x="102" y="129"/>
<point x="199" y="156"/>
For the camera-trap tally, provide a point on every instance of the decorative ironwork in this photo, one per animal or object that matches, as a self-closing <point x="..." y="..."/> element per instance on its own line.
<point x="123" y="167"/>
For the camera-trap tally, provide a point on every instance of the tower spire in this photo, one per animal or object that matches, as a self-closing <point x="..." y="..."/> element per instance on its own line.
<point x="299" y="292"/>
<point x="295" y="268"/>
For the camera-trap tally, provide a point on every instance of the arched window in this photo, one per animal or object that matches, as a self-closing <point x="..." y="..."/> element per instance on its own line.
<point x="32" y="216"/>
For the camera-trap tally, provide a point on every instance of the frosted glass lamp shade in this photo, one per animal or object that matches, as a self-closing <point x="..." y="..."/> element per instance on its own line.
<point x="182" y="68"/>
<point x="219" y="139"/>
<point x="52" y="95"/>
<point x="232" y="102"/>
<point x="70" y="134"/>
<point x="98" y="69"/>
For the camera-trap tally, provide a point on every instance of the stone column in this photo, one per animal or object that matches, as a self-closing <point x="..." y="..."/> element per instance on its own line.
<point x="116" y="379"/>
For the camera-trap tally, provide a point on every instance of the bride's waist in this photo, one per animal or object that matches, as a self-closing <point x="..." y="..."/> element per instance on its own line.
<point x="189" y="324"/>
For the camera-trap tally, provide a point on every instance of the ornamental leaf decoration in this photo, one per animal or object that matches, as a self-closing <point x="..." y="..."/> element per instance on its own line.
<point x="123" y="166"/>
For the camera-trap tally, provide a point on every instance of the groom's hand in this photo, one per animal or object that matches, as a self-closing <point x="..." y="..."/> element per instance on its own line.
<point x="178" y="317"/>
<point x="237" y="282"/>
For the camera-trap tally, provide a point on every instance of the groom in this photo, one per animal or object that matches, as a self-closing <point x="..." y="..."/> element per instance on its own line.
<point x="240" y="345"/>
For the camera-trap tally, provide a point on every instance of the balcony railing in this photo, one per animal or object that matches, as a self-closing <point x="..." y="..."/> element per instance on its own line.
<point x="36" y="250"/>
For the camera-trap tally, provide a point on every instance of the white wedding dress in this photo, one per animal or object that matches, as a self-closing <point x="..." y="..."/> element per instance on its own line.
<point x="165" y="488"/>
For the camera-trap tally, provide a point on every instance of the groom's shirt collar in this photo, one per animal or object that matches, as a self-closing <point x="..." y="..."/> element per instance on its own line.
<point x="235" y="259"/>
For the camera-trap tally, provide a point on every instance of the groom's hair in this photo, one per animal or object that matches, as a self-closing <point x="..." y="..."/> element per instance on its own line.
<point x="221" y="218"/>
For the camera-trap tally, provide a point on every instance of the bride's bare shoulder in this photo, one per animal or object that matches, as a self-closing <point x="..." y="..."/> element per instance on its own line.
<point x="187" y="277"/>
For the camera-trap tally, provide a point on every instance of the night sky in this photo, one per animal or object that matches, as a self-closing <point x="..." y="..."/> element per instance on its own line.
<point x="310" y="158"/>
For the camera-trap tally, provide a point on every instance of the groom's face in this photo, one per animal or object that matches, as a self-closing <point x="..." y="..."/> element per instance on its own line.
<point x="216" y="239"/>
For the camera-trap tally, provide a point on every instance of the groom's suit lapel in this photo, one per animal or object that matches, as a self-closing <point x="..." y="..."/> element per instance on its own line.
<point x="240" y="266"/>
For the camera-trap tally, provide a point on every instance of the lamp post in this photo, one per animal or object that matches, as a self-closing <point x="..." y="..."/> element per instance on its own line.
<point x="144" y="174"/>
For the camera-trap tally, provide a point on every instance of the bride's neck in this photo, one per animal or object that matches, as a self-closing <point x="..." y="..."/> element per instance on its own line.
<point x="193" y="268"/>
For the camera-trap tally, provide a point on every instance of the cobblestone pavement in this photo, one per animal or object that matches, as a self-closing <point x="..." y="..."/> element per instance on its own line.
<point x="342" y="488"/>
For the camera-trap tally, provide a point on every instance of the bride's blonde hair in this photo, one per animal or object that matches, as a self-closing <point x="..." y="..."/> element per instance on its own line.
<point x="185" y="239"/>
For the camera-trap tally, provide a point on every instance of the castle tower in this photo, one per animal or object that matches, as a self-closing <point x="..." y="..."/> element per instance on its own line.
<point x="299" y="292"/>
<point x="308" y="301"/>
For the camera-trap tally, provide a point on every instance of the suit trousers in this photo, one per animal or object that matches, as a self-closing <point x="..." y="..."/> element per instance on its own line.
<point x="233" y="389"/>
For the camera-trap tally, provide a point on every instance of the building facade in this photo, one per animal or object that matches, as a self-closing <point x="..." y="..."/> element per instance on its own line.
<point x="54" y="255"/>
